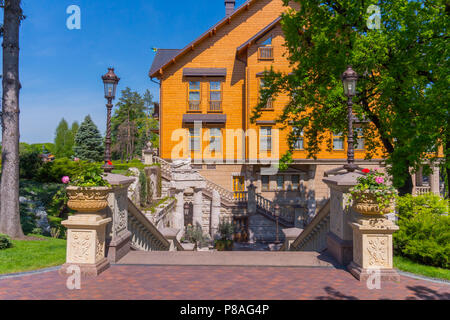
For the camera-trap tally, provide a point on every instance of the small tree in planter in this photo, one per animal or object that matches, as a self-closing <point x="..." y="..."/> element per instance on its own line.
<point x="373" y="195"/>
<point x="225" y="243"/>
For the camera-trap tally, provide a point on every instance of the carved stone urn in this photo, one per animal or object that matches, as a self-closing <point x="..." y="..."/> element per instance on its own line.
<point x="366" y="204"/>
<point x="87" y="199"/>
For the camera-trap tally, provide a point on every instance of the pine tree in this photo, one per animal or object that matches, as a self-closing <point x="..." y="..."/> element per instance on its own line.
<point x="88" y="141"/>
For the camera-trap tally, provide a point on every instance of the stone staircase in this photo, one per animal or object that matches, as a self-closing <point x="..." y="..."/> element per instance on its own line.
<point x="145" y="235"/>
<point x="314" y="236"/>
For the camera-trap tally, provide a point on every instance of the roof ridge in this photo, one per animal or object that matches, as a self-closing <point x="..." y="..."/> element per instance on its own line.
<point x="201" y="37"/>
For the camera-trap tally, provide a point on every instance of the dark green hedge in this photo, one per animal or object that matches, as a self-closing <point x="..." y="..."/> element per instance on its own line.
<point x="424" y="234"/>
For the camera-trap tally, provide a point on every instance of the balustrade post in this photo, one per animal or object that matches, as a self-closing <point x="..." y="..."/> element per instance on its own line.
<point x="251" y="203"/>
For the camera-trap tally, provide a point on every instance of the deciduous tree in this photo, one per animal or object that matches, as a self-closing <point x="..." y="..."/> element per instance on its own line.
<point x="403" y="89"/>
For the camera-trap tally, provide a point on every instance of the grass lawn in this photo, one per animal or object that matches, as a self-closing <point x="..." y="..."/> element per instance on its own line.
<point x="28" y="255"/>
<point x="404" y="264"/>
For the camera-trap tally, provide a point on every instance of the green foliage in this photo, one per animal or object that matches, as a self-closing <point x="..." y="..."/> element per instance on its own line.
<point x="89" y="142"/>
<point x="403" y="89"/>
<point x="145" y="192"/>
<point x="424" y="234"/>
<point x="29" y="164"/>
<point x="65" y="139"/>
<point x="131" y="124"/>
<point x="5" y="242"/>
<point x="51" y="196"/>
<point x="55" y="170"/>
<point x="226" y="230"/>
<point x="89" y="175"/>
<point x="375" y="184"/>
<point x="195" y="235"/>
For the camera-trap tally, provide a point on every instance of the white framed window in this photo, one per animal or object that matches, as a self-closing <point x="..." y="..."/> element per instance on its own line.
<point x="338" y="141"/>
<point x="215" y="140"/>
<point x="359" y="145"/>
<point x="265" y="139"/>
<point x="194" y="139"/>
<point x="298" y="144"/>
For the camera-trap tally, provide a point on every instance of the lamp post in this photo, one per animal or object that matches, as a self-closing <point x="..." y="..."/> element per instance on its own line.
<point x="110" y="81"/>
<point x="276" y="208"/>
<point x="349" y="80"/>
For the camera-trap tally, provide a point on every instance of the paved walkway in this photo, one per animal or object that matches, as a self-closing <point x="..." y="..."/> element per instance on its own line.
<point x="210" y="283"/>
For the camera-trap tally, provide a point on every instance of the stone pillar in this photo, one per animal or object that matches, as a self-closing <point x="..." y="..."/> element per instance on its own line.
<point x="251" y="201"/>
<point x="434" y="180"/>
<point x="197" y="217"/>
<point x="118" y="238"/>
<point x="340" y="237"/>
<point x="86" y="243"/>
<point x="372" y="248"/>
<point x="148" y="156"/>
<point x="215" y="213"/>
<point x="178" y="218"/>
<point x="290" y="235"/>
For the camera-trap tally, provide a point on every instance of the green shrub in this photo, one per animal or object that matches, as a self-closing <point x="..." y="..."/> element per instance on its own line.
<point x="226" y="230"/>
<point x="55" y="170"/>
<point x="29" y="164"/>
<point x="5" y="242"/>
<point x="424" y="234"/>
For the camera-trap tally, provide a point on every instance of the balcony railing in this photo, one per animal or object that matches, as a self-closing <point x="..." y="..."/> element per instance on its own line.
<point x="265" y="53"/>
<point x="215" y="106"/>
<point x="269" y="105"/>
<point x="194" y="106"/>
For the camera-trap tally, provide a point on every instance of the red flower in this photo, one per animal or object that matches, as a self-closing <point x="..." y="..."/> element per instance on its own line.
<point x="109" y="163"/>
<point x="365" y="170"/>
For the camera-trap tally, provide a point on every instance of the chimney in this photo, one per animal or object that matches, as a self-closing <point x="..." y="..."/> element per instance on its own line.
<point x="229" y="7"/>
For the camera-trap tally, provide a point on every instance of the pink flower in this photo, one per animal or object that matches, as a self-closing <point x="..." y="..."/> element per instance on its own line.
<point x="65" y="179"/>
<point x="379" y="180"/>
<point x="76" y="159"/>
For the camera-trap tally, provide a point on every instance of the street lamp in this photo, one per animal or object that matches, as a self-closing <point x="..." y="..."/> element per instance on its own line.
<point x="349" y="80"/>
<point x="276" y="209"/>
<point x="110" y="81"/>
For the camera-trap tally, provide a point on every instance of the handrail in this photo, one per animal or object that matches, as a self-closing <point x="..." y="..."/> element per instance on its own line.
<point x="312" y="227"/>
<point x="145" y="235"/>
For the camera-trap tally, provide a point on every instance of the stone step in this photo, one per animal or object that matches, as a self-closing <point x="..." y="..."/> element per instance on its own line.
<point x="230" y="258"/>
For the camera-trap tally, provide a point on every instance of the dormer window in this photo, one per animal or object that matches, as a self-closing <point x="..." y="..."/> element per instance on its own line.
<point x="265" y="50"/>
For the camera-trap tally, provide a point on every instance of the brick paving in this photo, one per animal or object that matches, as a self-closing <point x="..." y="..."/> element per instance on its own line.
<point x="142" y="282"/>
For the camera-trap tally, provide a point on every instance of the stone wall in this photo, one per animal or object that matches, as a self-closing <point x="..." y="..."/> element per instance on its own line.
<point x="262" y="229"/>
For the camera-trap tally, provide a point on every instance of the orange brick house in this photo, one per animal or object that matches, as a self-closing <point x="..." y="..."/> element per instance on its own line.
<point x="208" y="90"/>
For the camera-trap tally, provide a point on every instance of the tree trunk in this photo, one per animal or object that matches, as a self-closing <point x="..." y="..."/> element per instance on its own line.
<point x="9" y="188"/>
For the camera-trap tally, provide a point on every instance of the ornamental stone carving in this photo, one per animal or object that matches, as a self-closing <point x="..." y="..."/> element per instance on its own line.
<point x="84" y="199"/>
<point x="80" y="246"/>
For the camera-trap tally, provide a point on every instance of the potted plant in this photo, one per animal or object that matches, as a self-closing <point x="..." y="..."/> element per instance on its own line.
<point x="373" y="195"/>
<point x="88" y="190"/>
<point x="225" y="242"/>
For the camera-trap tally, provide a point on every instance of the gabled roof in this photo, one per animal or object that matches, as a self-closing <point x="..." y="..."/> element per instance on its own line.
<point x="212" y="31"/>
<point x="258" y="36"/>
<point x="162" y="57"/>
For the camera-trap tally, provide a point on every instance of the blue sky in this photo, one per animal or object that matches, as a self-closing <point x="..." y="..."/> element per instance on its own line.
<point x="60" y="69"/>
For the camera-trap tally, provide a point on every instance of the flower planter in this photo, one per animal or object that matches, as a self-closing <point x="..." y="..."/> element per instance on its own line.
<point x="87" y="199"/>
<point x="366" y="204"/>
<point x="223" y="245"/>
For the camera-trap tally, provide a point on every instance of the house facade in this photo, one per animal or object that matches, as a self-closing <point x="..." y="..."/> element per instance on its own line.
<point x="208" y="91"/>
